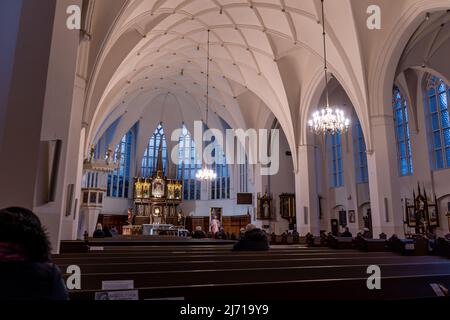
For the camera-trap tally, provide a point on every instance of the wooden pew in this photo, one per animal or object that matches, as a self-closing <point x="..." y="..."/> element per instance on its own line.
<point x="413" y="246"/>
<point x="340" y="242"/>
<point x="443" y="247"/>
<point x="370" y="245"/>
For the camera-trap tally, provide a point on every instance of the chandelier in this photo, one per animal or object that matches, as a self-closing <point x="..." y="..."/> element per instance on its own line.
<point x="328" y="120"/>
<point x="206" y="174"/>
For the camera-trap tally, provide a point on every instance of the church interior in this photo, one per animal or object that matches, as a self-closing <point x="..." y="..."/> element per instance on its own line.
<point x="273" y="149"/>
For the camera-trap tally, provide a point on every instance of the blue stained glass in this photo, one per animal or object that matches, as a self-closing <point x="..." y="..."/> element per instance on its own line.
<point x="437" y="140"/>
<point x="447" y="137"/>
<point x="431" y="92"/>
<point x="433" y="106"/>
<point x="404" y="166"/>
<point x="340" y="166"/>
<point x="435" y="122"/>
<point x="443" y="101"/>
<point x="444" y="119"/>
<point x="442" y="86"/>
<point x="402" y="150"/>
<point x="439" y="160"/>
<point x="400" y="133"/>
<point x="398" y="116"/>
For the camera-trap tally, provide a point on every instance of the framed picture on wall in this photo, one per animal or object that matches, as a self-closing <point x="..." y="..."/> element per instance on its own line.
<point x="264" y="210"/>
<point x="411" y="216"/>
<point x="351" y="216"/>
<point x="433" y="216"/>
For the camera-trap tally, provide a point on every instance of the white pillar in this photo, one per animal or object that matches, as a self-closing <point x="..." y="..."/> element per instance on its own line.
<point x="306" y="192"/>
<point x="25" y="41"/>
<point x="387" y="212"/>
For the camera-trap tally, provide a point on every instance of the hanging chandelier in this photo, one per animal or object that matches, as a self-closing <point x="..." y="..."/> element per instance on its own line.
<point x="206" y="174"/>
<point x="328" y="120"/>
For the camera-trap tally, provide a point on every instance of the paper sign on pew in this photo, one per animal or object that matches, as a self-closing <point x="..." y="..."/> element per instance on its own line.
<point x="118" y="295"/>
<point x="96" y="248"/>
<point x="118" y="285"/>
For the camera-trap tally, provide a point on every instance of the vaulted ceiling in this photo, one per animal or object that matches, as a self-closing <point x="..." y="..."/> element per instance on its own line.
<point x="266" y="57"/>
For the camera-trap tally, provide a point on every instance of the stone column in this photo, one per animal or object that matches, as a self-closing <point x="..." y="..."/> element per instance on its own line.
<point x="387" y="212"/>
<point x="306" y="192"/>
<point x="25" y="42"/>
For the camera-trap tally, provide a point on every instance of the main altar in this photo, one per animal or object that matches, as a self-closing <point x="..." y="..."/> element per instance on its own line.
<point x="156" y="199"/>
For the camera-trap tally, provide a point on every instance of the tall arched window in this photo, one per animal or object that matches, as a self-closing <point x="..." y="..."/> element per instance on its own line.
<point x="362" y="173"/>
<point x="149" y="161"/>
<point x="220" y="187"/>
<point x="401" y="120"/>
<point x="438" y="96"/>
<point x="187" y="167"/>
<point x="336" y="171"/>
<point x="119" y="180"/>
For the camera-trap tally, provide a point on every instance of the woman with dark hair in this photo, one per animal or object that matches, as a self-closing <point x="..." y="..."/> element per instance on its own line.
<point x="26" y="271"/>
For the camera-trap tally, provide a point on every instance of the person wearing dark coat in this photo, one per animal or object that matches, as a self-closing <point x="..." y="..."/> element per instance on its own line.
<point x="99" y="233"/>
<point x="26" y="270"/>
<point x="221" y="235"/>
<point x="346" y="234"/>
<point x="198" y="233"/>
<point x="107" y="232"/>
<point x="254" y="239"/>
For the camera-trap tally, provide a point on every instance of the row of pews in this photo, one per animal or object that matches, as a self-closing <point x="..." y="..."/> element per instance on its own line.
<point x="419" y="246"/>
<point x="214" y="272"/>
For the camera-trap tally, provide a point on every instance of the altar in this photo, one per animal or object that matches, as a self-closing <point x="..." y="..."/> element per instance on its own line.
<point x="156" y="199"/>
<point x="157" y="229"/>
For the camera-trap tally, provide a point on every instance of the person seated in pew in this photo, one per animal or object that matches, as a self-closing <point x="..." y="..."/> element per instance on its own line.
<point x="347" y="233"/>
<point x="26" y="270"/>
<point x="241" y="233"/>
<point x="99" y="233"/>
<point x="254" y="239"/>
<point x="198" y="233"/>
<point x="107" y="232"/>
<point x="221" y="235"/>
<point x="114" y="231"/>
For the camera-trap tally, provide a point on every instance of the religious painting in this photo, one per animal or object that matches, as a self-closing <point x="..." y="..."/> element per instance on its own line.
<point x="138" y="185"/>
<point x="264" y="211"/>
<point x="411" y="216"/>
<point x="158" y="186"/>
<point x="351" y="216"/>
<point x="146" y="189"/>
<point x="174" y="190"/>
<point x="287" y="206"/>
<point x="178" y="191"/>
<point x="215" y="220"/>
<point x="170" y="191"/>
<point x="433" y="217"/>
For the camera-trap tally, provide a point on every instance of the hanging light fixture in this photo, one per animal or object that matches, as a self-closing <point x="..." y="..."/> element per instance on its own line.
<point x="327" y="120"/>
<point x="206" y="174"/>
